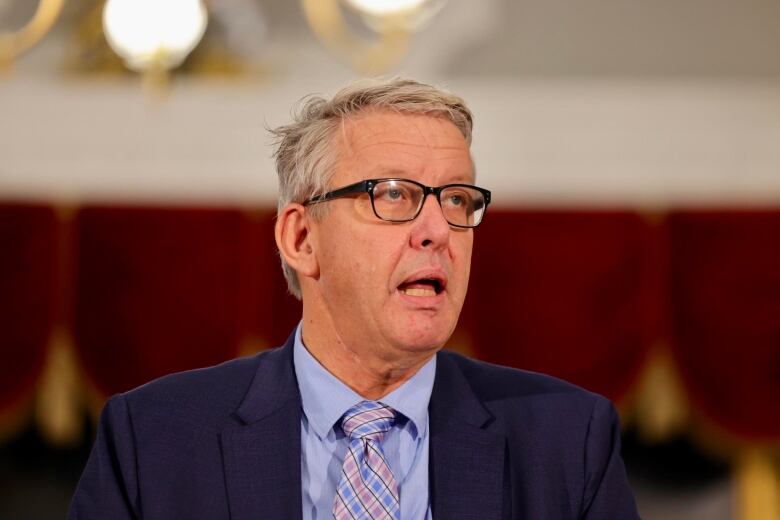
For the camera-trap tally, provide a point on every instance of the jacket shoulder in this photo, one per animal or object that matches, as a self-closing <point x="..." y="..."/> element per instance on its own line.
<point x="562" y="442"/>
<point x="207" y="395"/>
<point x="529" y="403"/>
<point x="492" y="382"/>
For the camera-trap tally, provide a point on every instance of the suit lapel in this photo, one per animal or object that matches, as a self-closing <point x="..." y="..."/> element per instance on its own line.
<point x="467" y="459"/>
<point x="261" y="450"/>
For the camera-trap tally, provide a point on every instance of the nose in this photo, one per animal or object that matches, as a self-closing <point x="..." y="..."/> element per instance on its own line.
<point x="430" y="228"/>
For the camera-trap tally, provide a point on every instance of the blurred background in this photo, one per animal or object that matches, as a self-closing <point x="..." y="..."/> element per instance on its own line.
<point x="633" y="246"/>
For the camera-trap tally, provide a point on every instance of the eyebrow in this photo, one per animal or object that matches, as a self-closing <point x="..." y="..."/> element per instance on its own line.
<point x="467" y="178"/>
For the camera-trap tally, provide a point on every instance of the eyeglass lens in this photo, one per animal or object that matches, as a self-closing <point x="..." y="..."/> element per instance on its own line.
<point x="399" y="201"/>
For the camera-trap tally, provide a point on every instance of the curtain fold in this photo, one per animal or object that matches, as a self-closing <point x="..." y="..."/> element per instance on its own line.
<point x="568" y="293"/>
<point x="725" y="302"/>
<point x="28" y="282"/>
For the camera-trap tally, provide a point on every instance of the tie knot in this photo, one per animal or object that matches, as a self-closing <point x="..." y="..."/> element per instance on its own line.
<point x="368" y="419"/>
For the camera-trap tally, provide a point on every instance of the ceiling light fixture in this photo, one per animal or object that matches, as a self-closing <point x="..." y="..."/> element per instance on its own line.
<point x="154" y="34"/>
<point x="392" y="21"/>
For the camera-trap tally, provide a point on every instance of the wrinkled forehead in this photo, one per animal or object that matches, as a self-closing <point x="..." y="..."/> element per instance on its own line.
<point x="397" y="136"/>
<point x="370" y="125"/>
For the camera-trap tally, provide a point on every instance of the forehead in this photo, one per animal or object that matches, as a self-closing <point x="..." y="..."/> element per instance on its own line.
<point x="382" y="143"/>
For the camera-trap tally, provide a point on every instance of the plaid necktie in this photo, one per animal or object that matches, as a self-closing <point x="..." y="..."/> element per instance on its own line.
<point x="367" y="489"/>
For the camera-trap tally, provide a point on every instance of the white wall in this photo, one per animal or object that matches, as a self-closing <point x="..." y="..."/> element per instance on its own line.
<point x="542" y="138"/>
<point x="646" y="143"/>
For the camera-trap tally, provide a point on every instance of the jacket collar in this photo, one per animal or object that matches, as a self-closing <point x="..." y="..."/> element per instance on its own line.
<point x="261" y="450"/>
<point x="467" y="470"/>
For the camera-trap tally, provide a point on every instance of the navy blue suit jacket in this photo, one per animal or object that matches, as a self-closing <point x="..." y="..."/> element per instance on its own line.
<point x="225" y="442"/>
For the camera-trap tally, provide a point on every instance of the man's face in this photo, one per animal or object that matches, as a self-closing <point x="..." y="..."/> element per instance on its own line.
<point x="393" y="291"/>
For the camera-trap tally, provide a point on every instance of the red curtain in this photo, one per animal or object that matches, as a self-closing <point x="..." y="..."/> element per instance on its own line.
<point x="28" y="280"/>
<point x="158" y="291"/>
<point x="162" y="290"/>
<point x="273" y="312"/>
<point x="577" y="294"/>
<point x="725" y="297"/>
<point x="566" y="293"/>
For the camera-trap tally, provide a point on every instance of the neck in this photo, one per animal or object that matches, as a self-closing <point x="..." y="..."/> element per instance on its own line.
<point x="369" y="376"/>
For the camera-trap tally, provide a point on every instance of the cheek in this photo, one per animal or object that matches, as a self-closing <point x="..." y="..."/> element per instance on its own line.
<point x="378" y="258"/>
<point x="359" y="262"/>
<point x="335" y="262"/>
<point x="461" y="256"/>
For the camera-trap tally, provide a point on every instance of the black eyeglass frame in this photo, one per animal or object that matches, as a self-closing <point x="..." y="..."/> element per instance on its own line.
<point x="368" y="185"/>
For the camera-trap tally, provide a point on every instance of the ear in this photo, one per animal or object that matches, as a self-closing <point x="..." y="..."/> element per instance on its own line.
<point x="294" y="240"/>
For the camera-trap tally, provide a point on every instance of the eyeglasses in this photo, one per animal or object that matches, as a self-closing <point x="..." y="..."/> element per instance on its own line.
<point x="401" y="200"/>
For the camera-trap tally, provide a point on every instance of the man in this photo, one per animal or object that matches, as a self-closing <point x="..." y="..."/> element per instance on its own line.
<point x="361" y="414"/>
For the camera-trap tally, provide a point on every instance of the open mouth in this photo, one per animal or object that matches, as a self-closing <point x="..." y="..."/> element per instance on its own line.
<point x="426" y="287"/>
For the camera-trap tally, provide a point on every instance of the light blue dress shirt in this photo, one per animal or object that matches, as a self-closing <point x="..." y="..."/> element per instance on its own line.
<point x="325" y="399"/>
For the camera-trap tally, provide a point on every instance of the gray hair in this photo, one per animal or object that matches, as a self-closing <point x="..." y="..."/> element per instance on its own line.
<point x="304" y="151"/>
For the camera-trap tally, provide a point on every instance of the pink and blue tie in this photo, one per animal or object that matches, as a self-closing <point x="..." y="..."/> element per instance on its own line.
<point x="367" y="489"/>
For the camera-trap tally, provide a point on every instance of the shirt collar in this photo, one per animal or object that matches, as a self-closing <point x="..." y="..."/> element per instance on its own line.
<point x="325" y="398"/>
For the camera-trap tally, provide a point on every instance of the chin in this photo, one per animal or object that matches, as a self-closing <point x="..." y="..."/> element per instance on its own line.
<point x="426" y="335"/>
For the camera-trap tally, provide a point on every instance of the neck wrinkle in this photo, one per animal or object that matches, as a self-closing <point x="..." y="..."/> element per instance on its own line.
<point x="369" y="380"/>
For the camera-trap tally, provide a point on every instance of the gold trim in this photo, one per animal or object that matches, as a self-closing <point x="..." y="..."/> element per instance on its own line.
<point x="366" y="56"/>
<point x="461" y="342"/>
<point x="252" y="345"/>
<point x="58" y="403"/>
<point x="660" y="405"/>
<point x="13" y="44"/>
<point x="757" y="486"/>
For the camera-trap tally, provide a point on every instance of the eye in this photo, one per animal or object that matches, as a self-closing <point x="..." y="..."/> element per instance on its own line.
<point x="389" y="192"/>
<point x="457" y="199"/>
<point x="394" y="193"/>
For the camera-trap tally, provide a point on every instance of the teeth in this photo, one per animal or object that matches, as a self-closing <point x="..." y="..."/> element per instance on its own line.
<point x="414" y="291"/>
